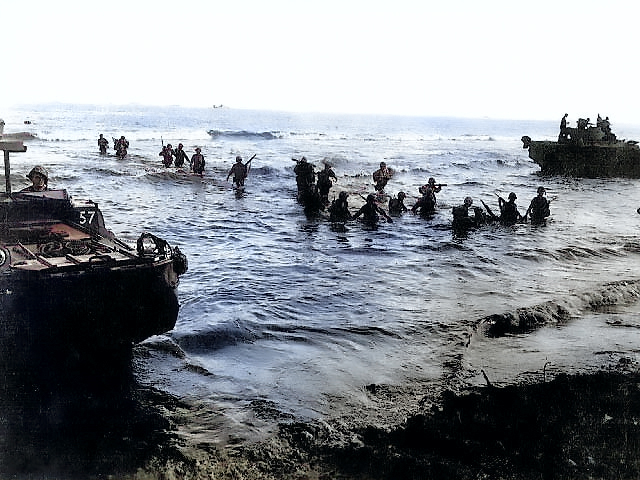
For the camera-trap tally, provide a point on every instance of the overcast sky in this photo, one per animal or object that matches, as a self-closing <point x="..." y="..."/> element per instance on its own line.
<point x="500" y="59"/>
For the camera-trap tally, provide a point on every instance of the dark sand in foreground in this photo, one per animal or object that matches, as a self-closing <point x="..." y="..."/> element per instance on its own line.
<point x="581" y="426"/>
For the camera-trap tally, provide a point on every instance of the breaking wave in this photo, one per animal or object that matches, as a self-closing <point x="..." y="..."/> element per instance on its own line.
<point x="245" y="134"/>
<point x="527" y="319"/>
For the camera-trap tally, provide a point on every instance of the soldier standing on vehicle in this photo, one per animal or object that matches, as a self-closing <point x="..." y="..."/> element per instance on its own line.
<point x="39" y="180"/>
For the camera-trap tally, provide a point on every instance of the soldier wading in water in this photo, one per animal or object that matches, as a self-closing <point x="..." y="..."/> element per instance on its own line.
<point x="396" y="204"/>
<point x="239" y="171"/>
<point x="509" y="210"/>
<point x="539" y="207"/>
<point x="324" y="182"/>
<point x="197" y="162"/>
<point x="339" y="209"/>
<point x="308" y="194"/>
<point x="370" y="211"/>
<point x="381" y="177"/>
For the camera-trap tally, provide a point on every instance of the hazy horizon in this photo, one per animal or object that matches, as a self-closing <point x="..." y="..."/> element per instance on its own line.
<point x="495" y="59"/>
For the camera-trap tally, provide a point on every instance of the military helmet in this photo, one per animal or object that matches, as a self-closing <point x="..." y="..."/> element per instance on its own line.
<point x="512" y="195"/>
<point x="343" y="194"/>
<point x="468" y="201"/>
<point x="401" y="195"/>
<point x="238" y="158"/>
<point x="371" y="198"/>
<point x="39" y="170"/>
<point x="431" y="180"/>
<point x="541" y="190"/>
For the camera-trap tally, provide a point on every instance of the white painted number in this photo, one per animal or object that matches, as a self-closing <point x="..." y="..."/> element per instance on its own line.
<point x="86" y="216"/>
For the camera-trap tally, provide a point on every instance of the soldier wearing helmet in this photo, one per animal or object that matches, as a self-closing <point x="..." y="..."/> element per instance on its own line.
<point x="427" y="203"/>
<point x="462" y="220"/>
<point x="167" y="154"/>
<point x="508" y="210"/>
<point x="180" y="156"/>
<point x="381" y="177"/>
<point x="339" y="208"/>
<point x="239" y="172"/>
<point x="197" y="162"/>
<point x="305" y="176"/>
<point x="39" y="179"/>
<point x="324" y="182"/>
<point x="431" y="184"/>
<point x="120" y="146"/>
<point x="103" y="144"/>
<point x="462" y="211"/>
<point x="370" y="211"/>
<point x="539" y="207"/>
<point x="396" y="204"/>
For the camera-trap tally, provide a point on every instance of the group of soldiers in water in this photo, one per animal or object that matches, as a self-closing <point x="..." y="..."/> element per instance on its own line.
<point x="170" y="156"/>
<point x="120" y="145"/>
<point x="314" y="195"/>
<point x="537" y="212"/>
<point x="178" y="157"/>
<point x="313" y="192"/>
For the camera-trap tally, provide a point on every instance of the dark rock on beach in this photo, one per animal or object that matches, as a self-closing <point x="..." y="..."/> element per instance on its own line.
<point x="571" y="427"/>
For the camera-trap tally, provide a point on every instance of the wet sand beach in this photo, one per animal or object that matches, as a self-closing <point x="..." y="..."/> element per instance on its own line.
<point x="582" y="426"/>
<point x="561" y="427"/>
<point x="568" y="427"/>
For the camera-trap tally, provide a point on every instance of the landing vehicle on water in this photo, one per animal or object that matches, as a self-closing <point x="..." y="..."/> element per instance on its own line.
<point x="69" y="286"/>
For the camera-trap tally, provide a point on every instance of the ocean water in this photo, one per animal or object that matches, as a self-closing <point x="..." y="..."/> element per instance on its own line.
<point x="283" y="309"/>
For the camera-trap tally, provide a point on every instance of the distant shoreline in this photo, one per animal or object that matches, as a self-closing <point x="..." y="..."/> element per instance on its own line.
<point x="18" y="136"/>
